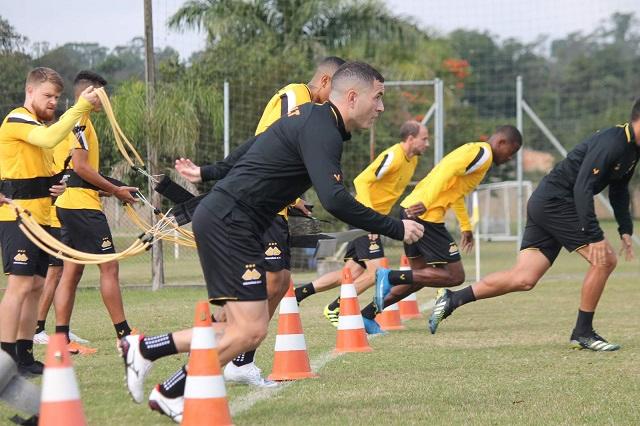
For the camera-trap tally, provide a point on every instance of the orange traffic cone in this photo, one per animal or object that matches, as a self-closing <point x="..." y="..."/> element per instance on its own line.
<point x="351" y="334"/>
<point x="60" y="399"/>
<point x="205" y="397"/>
<point x="389" y="318"/>
<point x="290" y="360"/>
<point x="409" y="305"/>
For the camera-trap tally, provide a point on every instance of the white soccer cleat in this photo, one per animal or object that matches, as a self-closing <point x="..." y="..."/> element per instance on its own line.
<point x="41" y="338"/>
<point x="136" y="366"/>
<point x="248" y="374"/>
<point x="76" y="338"/>
<point x="170" y="407"/>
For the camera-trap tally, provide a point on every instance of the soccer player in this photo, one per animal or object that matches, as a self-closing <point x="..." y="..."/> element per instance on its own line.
<point x="26" y="171"/>
<point x="277" y="256"/>
<point x="435" y="259"/>
<point x="560" y="213"/>
<point x="378" y="186"/>
<point x="298" y="151"/>
<point x="84" y="226"/>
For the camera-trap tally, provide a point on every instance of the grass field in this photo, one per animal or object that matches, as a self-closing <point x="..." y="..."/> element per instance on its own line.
<point x="501" y="361"/>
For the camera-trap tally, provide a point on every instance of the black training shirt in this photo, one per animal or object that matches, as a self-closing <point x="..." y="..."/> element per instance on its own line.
<point x="606" y="158"/>
<point x="300" y="150"/>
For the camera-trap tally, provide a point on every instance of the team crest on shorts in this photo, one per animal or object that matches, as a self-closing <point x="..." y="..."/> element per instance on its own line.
<point x="373" y="247"/>
<point x="106" y="244"/>
<point x="21" y="258"/>
<point x="251" y="275"/>
<point x="273" y="252"/>
<point x="453" y="249"/>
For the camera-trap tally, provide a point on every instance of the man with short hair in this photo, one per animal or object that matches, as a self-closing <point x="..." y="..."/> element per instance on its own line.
<point x="26" y="171"/>
<point x="277" y="255"/>
<point x="84" y="225"/>
<point x="378" y="186"/>
<point x="561" y="213"/>
<point x="435" y="259"/>
<point x="298" y="151"/>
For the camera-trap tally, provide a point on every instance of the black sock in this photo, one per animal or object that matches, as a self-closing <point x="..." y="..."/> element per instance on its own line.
<point x="63" y="329"/>
<point x="304" y="291"/>
<point x="400" y="277"/>
<point x="462" y="297"/>
<point x="156" y="347"/>
<point x="244" y="359"/>
<point x="122" y="329"/>
<point x="584" y="323"/>
<point x="24" y="351"/>
<point x="335" y="304"/>
<point x="9" y="348"/>
<point x="173" y="387"/>
<point x="40" y="326"/>
<point x="369" y="311"/>
<point x="213" y="318"/>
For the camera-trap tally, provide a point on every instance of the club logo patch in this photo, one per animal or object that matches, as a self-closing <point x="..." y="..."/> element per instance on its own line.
<point x="21" y="258"/>
<point x="251" y="275"/>
<point x="453" y="249"/>
<point x="106" y="244"/>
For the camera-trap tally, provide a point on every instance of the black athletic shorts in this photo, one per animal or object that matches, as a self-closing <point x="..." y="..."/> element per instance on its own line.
<point x="231" y="254"/>
<point x="362" y="249"/>
<point x="277" y="246"/>
<point x="551" y="225"/>
<point x="56" y="233"/>
<point x="20" y="256"/>
<point x="436" y="246"/>
<point x="86" y="230"/>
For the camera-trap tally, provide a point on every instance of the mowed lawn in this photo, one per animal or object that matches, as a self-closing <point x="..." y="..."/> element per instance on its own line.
<point x="499" y="361"/>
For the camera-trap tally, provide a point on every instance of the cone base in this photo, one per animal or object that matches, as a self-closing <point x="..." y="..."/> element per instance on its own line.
<point x="411" y="316"/>
<point x="292" y="376"/>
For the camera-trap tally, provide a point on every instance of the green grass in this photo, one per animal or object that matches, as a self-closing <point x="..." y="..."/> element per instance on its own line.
<point x="500" y="361"/>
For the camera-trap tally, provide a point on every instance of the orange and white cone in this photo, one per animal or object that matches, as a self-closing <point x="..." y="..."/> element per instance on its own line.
<point x="205" y="397"/>
<point x="60" y="399"/>
<point x="290" y="359"/>
<point x="351" y="334"/>
<point x="409" y="305"/>
<point x="389" y="318"/>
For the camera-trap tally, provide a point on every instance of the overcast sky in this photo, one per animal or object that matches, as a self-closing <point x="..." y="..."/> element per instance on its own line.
<point x="116" y="22"/>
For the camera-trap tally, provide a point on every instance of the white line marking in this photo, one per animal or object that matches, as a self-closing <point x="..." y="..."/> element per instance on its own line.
<point x="246" y="402"/>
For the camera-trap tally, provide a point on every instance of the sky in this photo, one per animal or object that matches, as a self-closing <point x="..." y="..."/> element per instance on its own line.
<point x="116" y="22"/>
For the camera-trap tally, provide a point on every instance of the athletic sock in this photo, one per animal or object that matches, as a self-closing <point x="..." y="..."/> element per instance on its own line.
<point x="462" y="297"/>
<point x="173" y="387"/>
<point x="40" y="326"/>
<point x="304" y="291"/>
<point x="335" y="304"/>
<point x="584" y="323"/>
<point x="156" y="347"/>
<point x="369" y="311"/>
<point x="400" y="277"/>
<point x="24" y="351"/>
<point x="9" y="348"/>
<point x="244" y="359"/>
<point x="122" y="329"/>
<point x="63" y="329"/>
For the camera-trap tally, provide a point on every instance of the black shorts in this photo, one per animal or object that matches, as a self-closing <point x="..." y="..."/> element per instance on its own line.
<point x="20" y="256"/>
<point x="436" y="246"/>
<point x="86" y="230"/>
<point x="231" y="254"/>
<point x="364" y="249"/>
<point x="277" y="246"/>
<point x="551" y="225"/>
<point x="56" y="233"/>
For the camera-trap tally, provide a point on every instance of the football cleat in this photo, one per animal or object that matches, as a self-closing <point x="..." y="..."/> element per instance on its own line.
<point x="76" y="338"/>
<point x="135" y="365"/>
<point x="383" y="287"/>
<point x="593" y="342"/>
<point x="76" y="348"/>
<point x="29" y="371"/>
<point x="41" y="338"/>
<point x="332" y="315"/>
<point x="170" y="407"/>
<point x="248" y="374"/>
<point x="441" y="310"/>
<point x="372" y="327"/>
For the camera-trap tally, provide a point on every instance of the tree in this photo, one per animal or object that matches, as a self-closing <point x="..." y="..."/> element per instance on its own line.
<point x="14" y="67"/>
